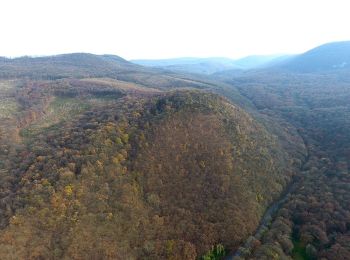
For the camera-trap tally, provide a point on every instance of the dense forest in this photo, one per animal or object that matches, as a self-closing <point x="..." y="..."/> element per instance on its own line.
<point x="104" y="159"/>
<point x="117" y="162"/>
<point x="314" y="221"/>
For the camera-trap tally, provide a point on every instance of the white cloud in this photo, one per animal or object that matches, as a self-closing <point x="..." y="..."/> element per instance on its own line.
<point x="164" y="28"/>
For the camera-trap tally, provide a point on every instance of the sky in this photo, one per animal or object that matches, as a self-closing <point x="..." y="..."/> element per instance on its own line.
<point x="154" y="29"/>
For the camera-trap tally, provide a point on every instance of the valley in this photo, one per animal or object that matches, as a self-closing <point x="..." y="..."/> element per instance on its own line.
<point x="101" y="158"/>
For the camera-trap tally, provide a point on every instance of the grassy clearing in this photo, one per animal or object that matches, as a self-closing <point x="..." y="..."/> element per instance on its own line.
<point x="8" y="104"/>
<point x="8" y="107"/>
<point x="6" y="85"/>
<point x="123" y="85"/>
<point x="60" y="109"/>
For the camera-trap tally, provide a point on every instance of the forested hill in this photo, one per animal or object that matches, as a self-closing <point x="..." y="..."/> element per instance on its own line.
<point x="104" y="159"/>
<point x="136" y="162"/>
<point x="327" y="57"/>
<point x="65" y="65"/>
<point x="313" y="223"/>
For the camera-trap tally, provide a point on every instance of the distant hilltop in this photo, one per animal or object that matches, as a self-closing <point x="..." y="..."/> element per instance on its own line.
<point x="330" y="56"/>
<point x="327" y="57"/>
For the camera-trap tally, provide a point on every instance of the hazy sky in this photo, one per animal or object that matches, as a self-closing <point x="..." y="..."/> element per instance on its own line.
<point x="164" y="28"/>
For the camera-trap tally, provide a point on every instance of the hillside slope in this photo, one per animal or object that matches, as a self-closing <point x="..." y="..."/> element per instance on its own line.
<point x="135" y="164"/>
<point x="313" y="221"/>
<point x="327" y="57"/>
<point x="141" y="177"/>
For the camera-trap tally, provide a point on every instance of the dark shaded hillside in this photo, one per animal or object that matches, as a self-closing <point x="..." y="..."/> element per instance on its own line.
<point x="327" y="57"/>
<point x="316" y="102"/>
<point x="139" y="177"/>
<point x="314" y="221"/>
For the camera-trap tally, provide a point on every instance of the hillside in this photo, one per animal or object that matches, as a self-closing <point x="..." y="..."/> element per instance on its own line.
<point x="94" y="158"/>
<point x="312" y="222"/>
<point x="110" y="171"/>
<point x="85" y="65"/>
<point x="327" y="57"/>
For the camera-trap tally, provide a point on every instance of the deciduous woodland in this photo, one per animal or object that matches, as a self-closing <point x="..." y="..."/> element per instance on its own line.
<point x="101" y="158"/>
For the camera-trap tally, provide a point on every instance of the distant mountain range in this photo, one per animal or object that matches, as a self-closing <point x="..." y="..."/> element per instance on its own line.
<point x="212" y="65"/>
<point x="327" y="57"/>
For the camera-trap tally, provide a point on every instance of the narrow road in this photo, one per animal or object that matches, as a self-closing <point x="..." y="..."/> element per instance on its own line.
<point x="271" y="211"/>
<point x="266" y="220"/>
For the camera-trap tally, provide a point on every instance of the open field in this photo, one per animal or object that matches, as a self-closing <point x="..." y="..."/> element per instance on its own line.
<point x="8" y="104"/>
